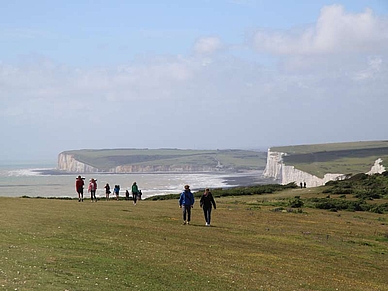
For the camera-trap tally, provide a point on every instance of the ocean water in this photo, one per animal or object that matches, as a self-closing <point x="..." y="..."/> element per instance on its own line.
<point x="27" y="180"/>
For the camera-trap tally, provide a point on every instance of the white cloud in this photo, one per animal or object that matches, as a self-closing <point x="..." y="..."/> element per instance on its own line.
<point x="373" y="68"/>
<point x="208" y="45"/>
<point x="335" y="31"/>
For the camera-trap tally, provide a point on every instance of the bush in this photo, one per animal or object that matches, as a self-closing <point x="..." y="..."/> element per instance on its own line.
<point x="381" y="209"/>
<point x="296" y="202"/>
<point x="337" y="204"/>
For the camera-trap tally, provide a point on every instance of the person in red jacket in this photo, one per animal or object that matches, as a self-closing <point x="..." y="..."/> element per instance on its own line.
<point x="79" y="187"/>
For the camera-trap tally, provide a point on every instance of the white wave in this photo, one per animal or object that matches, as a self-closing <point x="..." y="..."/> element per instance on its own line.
<point x="22" y="172"/>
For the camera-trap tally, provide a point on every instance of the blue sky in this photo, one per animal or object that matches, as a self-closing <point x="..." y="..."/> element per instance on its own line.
<point x="202" y="74"/>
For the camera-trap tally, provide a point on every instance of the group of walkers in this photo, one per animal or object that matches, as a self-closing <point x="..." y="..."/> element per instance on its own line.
<point x="186" y="198"/>
<point x="92" y="188"/>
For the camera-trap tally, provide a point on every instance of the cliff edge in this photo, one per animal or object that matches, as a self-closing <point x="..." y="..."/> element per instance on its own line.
<point x="277" y="169"/>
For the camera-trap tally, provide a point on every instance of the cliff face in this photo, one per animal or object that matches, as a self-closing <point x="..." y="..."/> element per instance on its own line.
<point x="283" y="174"/>
<point x="68" y="163"/>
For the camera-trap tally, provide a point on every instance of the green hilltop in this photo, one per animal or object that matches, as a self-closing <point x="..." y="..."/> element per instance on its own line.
<point x="345" y="158"/>
<point x="233" y="159"/>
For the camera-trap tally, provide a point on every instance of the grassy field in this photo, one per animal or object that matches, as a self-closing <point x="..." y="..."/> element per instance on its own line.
<point x="305" y="149"/>
<point x="49" y="244"/>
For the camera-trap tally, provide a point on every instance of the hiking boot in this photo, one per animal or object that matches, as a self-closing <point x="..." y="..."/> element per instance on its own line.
<point x="184" y="222"/>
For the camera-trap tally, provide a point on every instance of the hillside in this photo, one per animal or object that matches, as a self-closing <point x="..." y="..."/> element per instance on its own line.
<point x="344" y="158"/>
<point x="158" y="160"/>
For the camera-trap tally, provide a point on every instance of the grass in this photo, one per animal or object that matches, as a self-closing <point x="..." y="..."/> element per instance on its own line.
<point x="305" y="149"/>
<point x="49" y="244"/>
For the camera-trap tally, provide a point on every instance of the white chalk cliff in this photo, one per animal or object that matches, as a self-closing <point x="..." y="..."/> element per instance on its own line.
<point x="67" y="163"/>
<point x="284" y="174"/>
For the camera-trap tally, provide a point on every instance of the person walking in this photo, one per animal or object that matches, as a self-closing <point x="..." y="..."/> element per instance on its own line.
<point x="206" y="202"/>
<point x="117" y="191"/>
<point x="126" y="194"/>
<point x="135" y="192"/>
<point x="92" y="189"/>
<point x="107" y="191"/>
<point x="139" y="195"/>
<point x="79" y="187"/>
<point x="186" y="202"/>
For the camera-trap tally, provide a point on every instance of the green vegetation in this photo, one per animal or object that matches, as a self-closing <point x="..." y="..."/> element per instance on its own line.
<point x="306" y="149"/>
<point x="237" y="191"/>
<point x="265" y="237"/>
<point x="338" y="158"/>
<point x="106" y="159"/>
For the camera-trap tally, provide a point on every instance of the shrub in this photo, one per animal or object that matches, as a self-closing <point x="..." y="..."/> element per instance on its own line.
<point x="295" y="202"/>
<point x="337" y="204"/>
<point x="381" y="209"/>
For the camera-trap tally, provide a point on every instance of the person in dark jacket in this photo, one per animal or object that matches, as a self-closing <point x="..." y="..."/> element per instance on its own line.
<point x="135" y="192"/>
<point x="186" y="202"/>
<point x="107" y="191"/>
<point x="206" y="202"/>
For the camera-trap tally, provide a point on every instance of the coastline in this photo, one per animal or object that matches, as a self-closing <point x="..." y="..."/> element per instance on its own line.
<point x="39" y="182"/>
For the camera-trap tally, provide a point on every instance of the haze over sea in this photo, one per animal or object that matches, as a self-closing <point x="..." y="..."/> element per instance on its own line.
<point x="32" y="180"/>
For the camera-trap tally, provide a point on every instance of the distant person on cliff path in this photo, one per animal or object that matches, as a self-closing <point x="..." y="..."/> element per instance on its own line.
<point x="135" y="192"/>
<point x="186" y="202"/>
<point x="206" y="202"/>
<point x="117" y="191"/>
<point x="79" y="187"/>
<point x="92" y="189"/>
<point x="107" y="191"/>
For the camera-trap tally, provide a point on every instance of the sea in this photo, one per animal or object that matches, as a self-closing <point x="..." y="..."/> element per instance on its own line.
<point x="43" y="180"/>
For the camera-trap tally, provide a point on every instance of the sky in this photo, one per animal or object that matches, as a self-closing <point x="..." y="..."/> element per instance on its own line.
<point x="192" y="74"/>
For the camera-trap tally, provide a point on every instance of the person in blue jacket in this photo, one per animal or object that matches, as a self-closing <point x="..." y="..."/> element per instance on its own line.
<point x="186" y="202"/>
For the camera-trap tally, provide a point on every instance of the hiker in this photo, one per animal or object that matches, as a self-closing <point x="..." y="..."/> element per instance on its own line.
<point x="139" y="195"/>
<point x="116" y="190"/>
<point x="79" y="187"/>
<point x="92" y="189"/>
<point x="126" y="194"/>
<point x="186" y="202"/>
<point x="206" y="202"/>
<point x="304" y="184"/>
<point x="107" y="191"/>
<point x="135" y="192"/>
<point x="301" y="185"/>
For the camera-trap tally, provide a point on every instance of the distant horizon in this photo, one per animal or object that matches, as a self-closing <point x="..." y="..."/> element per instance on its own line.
<point x="48" y="161"/>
